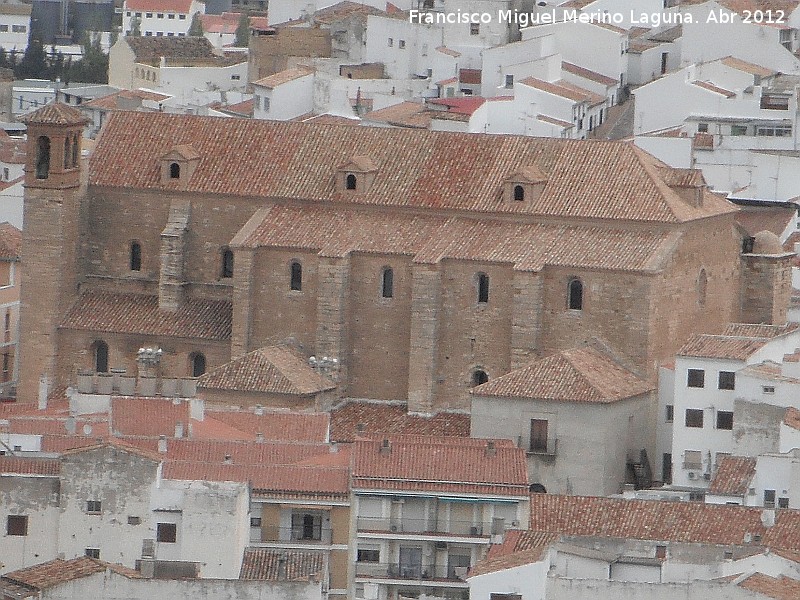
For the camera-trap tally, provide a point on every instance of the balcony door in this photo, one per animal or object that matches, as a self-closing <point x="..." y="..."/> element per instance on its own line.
<point x="410" y="562"/>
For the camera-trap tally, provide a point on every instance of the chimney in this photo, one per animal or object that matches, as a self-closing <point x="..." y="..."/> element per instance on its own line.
<point x="386" y="446"/>
<point x="768" y="517"/>
<point x="162" y="444"/>
<point x="178" y="430"/>
<point x="490" y="449"/>
<point x="197" y="409"/>
<point x="228" y="459"/>
<point x="44" y="391"/>
<point x="259" y="437"/>
<point x="259" y="410"/>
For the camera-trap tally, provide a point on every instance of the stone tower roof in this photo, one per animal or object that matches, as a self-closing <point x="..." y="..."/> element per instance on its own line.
<point x="55" y="113"/>
<point x="767" y="242"/>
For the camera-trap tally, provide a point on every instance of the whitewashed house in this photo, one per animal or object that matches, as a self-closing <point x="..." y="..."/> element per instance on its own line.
<point x="285" y="95"/>
<point x="165" y="18"/>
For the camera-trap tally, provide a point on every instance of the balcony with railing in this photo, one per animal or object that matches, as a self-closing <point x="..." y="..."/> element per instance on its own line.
<point x="271" y="534"/>
<point x="548" y="447"/>
<point x="424" y="526"/>
<point x="412" y="572"/>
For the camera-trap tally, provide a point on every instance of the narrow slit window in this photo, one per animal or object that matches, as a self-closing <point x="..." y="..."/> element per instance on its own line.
<point x="101" y="357"/>
<point x="227" y="263"/>
<point x="483" y="288"/>
<point x="350" y="183"/>
<point x="519" y="193"/>
<point x="136" y="256"/>
<point x="43" y="158"/>
<point x="174" y="171"/>
<point x="387" y="283"/>
<point x="198" y="361"/>
<point x="296" y="277"/>
<point x="575" y="292"/>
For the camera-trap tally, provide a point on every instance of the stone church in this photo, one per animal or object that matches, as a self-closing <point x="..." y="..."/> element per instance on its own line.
<point x="424" y="263"/>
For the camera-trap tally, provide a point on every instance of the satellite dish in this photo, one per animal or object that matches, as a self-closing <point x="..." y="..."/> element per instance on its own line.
<point x="87" y="429"/>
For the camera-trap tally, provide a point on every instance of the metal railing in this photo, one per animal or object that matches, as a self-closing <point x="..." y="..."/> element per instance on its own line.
<point x="550" y="448"/>
<point x="411" y="572"/>
<point x="299" y="535"/>
<point x="453" y="527"/>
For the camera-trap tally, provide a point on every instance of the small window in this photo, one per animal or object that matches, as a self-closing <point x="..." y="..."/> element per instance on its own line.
<point x="693" y="459"/>
<point x="738" y="129"/>
<point x="134" y="520"/>
<point x="198" y="363"/>
<point x="100" y="357"/>
<point x="783" y="503"/>
<point x="42" y="156"/>
<point x="401" y="44"/>
<point x="694" y="417"/>
<point x="474" y="28"/>
<point x="296" y="277"/>
<point x="94" y="506"/>
<point x="387" y="283"/>
<point x="255" y="521"/>
<point x="350" y="183"/>
<point x="769" y="498"/>
<point x="391" y="42"/>
<point x="75" y="150"/>
<point x="67" y="152"/>
<point x="696" y="378"/>
<point x="174" y="171"/>
<point x="670" y="413"/>
<point x="166" y="533"/>
<point x="727" y="380"/>
<point x="227" y="263"/>
<point x="136" y="256"/>
<point x="479" y="377"/>
<point x="483" y="288"/>
<point x="509" y="81"/>
<point x="702" y="127"/>
<point x="768" y="389"/>
<point x="17" y="525"/>
<point x="575" y="293"/>
<point x="149" y="15"/>
<point x="538" y="441"/>
<point x="519" y="193"/>
<point x="370" y="556"/>
<point x="92" y="553"/>
<point x="724" y="419"/>
<point x="661" y="552"/>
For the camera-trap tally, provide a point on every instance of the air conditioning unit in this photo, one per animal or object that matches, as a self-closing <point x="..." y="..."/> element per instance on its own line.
<point x="441" y="545"/>
<point x="707" y="476"/>
<point x="515" y="523"/>
<point x="691" y="475"/>
<point x="393" y="528"/>
<point x="473" y="531"/>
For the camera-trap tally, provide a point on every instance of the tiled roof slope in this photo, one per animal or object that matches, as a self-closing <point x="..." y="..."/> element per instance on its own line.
<point x="721" y="346"/>
<point x="50" y="574"/>
<point x="150" y="49"/>
<point x="276" y="425"/>
<point x="667" y="521"/>
<point x="733" y="476"/>
<point x="55" y="113"/>
<point x="759" y="330"/>
<point x="263" y="564"/>
<point x="430" y="239"/>
<point x="779" y="588"/>
<point x="597" y="179"/>
<point x="133" y="313"/>
<point x="241" y="452"/>
<point x="576" y="375"/>
<point x="276" y="369"/>
<point x="10" y="242"/>
<point x="14" y="465"/>
<point x="445" y="467"/>
<point x="361" y="419"/>
<point x="508" y="561"/>
<point x="792" y="418"/>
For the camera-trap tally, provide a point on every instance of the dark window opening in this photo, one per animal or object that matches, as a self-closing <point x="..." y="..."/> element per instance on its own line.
<point x="350" y="184"/>
<point x="670" y="413"/>
<point x="696" y="378"/>
<point x="747" y="244"/>
<point x="727" y="380"/>
<point x="371" y="556"/>
<point x="694" y="417"/>
<point x="479" y="377"/>
<point x="67" y="153"/>
<point x="724" y="419"/>
<point x="101" y="357"/>
<point x="483" y="288"/>
<point x="666" y="467"/>
<point x="661" y="552"/>
<point x="94" y="506"/>
<point x="75" y="150"/>
<point x="769" y="498"/>
<point x="538" y="442"/>
<point x="136" y="256"/>
<point x="92" y="553"/>
<point x="306" y="526"/>
<point x="43" y="158"/>
<point x="296" y="277"/>
<point x="227" y="264"/>
<point x="519" y="193"/>
<point x="783" y="503"/>
<point x="387" y="283"/>
<point x="167" y="533"/>
<point x="198" y="364"/>
<point x="174" y="171"/>
<point x="17" y="525"/>
<point x="575" y="294"/>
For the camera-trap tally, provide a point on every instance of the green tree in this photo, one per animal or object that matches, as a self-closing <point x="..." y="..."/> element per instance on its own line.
<point x="196" y="27"/>
<point x="34" y="61"/>
<point x="93" y="67"/>
<point x="242" y="32"/>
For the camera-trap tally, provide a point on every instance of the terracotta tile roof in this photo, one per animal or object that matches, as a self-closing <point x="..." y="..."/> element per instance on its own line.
<point x="598" y="179"/>
<point x="767" y="370"/>
<point x="226" y="23"/>
<point x="554" y="121"/>
<point x="178" y="6"/>
<point x="771" y="219"/>
<point x="563" y="89"/>
<point x="791" y="418"/>
<point x="587" y="74"/>
<point x="703" y="140"/>
<point x="118" y="444"/>
<point x="132" y="313"/>
<point x="244" y="108"/>
<point x="469" y="76"/>
<point x="516" y="540"/>
<point x="713" y="88"/>
<point x="461" y="106"/>
<point x="276" y="425"/>
<point x="733" y="476"/>
<point x="150" y="417"/>
<point x="10" y="242"/>
<point x="61" y="425"/>
<point x="404" y="114"/>
<point x="693" y="522"/>
<point x="55" y="572"/>
<point x="274" y="369"/>
<point x="576" y="375"/>
<point x="273" y="81"/>
<point x="431" y="239"/>
<point x="759" y="330"/>
<point x="448" y="51"/>
<point x="240" y="452"/>
<point x="356" y="419"/>
<point x="779" y="588"/>
<point x="16" y="465"/>
<point x="297" y="565"/>
<point x="185" y="50"/>
<point x="721" y="346"/>
<point x="453" y="467"/>
<point x="747" y="67"/>
<point x="124" y="100"/>
<point x="344" y="10"/>
<point x="327" y="119"/>
<point x="55" y="113"/>
<point x="265" y="478"/>
<point x="62" y="443"/>
<point x="509" y="561"/>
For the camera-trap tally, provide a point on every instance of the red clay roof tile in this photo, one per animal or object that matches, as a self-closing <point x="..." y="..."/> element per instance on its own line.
<point x="733" y="476"/>
<point x="360" y="419"/>
<point x="267" y="564"/>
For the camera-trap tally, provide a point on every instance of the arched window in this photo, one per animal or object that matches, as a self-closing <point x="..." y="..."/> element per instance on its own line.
<point x="75" y="151"/>
<point x="174" y="171"/>
<point x="350" y="183"/>
<point x="67" y="152"/>
<point x="198" y="364"/>
<point x="479" y="377"/>
<point x="387" y="283"/>
<point x="227" y="263"/>
<point x="43" y="157"/>
<point x="702" y="285"/>
<point x="296" y="277"/>
<point x="519" y="193"/>
<point x="136" y="256"/>
<point x="100" y="357"/>
<point x="483" y="288"/>
<point x="575" y="294"/>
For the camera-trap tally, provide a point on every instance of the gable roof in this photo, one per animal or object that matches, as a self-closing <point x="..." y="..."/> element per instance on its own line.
<point x="576" y="375"/>
<point x="592" y="180"/>
<point x="733" y="476"/>
<point x="721" y="346"/>
<point x="188" y="49"/>
<point x="274" y="369"/>
<point x="275" y="425"/>
<point x="10" y="242"/>
<point x="779" y="588"/>
<point x="55" y="113"/>
<point x="55" y="572"/>
<point x="276" y="79"/>
<point x="588" y="74"/>
<point x="266" y="564"/>
<point x="360" y="419"/>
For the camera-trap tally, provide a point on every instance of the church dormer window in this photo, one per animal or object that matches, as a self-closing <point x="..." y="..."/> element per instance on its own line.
<point x="351" y="181"/>
<point x="519" y="193"/>
<point x="174" y="171"/>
